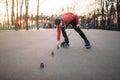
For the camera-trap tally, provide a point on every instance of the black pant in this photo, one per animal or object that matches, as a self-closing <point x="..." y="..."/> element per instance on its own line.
<point x="77" y="29"/>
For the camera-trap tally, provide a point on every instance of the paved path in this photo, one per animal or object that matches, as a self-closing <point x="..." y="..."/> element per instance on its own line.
<point x="21" y="53"/>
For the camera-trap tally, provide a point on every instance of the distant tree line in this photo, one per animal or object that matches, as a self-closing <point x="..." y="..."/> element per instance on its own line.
<point x="105" y="17"/>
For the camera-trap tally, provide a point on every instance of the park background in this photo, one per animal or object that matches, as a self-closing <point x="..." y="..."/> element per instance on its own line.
<point x="27" y="14"/>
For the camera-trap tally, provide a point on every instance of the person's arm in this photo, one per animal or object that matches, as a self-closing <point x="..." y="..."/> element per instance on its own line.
<point x="58" y="36"/>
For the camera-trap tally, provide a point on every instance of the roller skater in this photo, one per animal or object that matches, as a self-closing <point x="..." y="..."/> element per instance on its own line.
<point x="62" y="23"/>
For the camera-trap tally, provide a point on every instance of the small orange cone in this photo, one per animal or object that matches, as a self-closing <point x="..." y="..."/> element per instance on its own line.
<point x="52" y="53"/>
<point x="58" y="47"/>
<point x="42" y="65"/>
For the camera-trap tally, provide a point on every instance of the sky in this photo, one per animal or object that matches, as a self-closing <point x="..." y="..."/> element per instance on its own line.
<point x="54" y="6"/>
<point x="49" y="7"/>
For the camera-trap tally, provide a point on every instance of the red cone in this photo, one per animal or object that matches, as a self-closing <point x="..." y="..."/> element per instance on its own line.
<point x="41" y="65"/>
<point x="52" y="53"/>
<point x="58" y="47"/>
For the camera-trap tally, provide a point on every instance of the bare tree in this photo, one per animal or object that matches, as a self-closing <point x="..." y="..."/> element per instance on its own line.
<point x="7" y="12"/>
<point x="16" y="22"/>
<point x="12" y="13"/>
<point x="118" y="14"/>
<point x="26" y="19"/>
<point x="37" y="21"/>
<point x="21" y="6"/>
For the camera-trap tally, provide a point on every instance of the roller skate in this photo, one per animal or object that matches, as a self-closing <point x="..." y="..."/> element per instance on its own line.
<point x="65" y="44"/>
<point x="87" y="44"/>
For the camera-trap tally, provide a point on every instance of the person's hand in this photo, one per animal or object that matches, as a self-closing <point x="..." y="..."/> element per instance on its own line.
<point x="78" y="25"/>
<point x="58" y="44"/>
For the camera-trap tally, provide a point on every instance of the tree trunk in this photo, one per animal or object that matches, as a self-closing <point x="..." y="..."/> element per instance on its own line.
<point x="118" y="14"/>
<point x="37" y="21"/>
<point x="12" y="15"/>
<point x="7" y="12"/>
<point x="17" y="26"/>
<point x="26" y="19"/>
<point x="21" y="6"/>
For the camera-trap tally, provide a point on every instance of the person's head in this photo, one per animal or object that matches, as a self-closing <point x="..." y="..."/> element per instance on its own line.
<point x="58" y="21"/>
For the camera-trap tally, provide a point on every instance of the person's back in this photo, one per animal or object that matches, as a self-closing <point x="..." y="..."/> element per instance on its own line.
<point x="68" y="17"/>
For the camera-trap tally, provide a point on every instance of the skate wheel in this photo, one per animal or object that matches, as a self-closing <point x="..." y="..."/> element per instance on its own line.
<point x="64" y="45"/>
<point x="88" y="47"/>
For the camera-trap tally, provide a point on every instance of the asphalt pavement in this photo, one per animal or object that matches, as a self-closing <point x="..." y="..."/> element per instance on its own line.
<point x="21" y="53"/>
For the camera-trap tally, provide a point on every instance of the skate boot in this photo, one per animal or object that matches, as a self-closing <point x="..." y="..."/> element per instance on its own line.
<point x="65" y="44"/>
<point x="87" y="44"/>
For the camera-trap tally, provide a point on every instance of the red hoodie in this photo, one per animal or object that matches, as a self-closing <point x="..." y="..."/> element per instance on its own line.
<point x="66" y="19"/>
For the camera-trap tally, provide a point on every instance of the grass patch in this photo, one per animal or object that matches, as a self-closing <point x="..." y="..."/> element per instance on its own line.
<point x="5" y="28"/>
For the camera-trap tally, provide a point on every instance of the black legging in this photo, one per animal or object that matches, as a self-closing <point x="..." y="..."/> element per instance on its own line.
<point x="64" y="35"/>
<point x="77" y="29"/>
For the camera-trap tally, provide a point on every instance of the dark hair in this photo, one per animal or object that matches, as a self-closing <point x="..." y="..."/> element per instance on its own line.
<point x="57" y="21"/>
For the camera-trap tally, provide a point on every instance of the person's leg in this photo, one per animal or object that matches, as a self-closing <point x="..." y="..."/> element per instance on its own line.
<point x="65" y="43"/>
<point x="64" y="34"/>
<point x="80" y="32"/>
